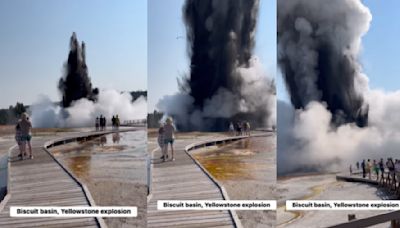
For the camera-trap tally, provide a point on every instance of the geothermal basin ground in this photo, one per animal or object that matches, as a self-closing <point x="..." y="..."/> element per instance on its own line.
<point x="319" y="186"/>
<point x="245" y="168"/>
<point x="113" y="167"/>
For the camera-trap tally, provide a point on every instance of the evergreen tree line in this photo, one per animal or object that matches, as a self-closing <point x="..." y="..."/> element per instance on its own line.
<point x="12" y="114"/>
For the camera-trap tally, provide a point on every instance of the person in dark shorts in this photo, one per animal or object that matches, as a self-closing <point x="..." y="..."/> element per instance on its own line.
<point x="381" y="168"/>
<point x="18" y="139"/>
<point x="26" y="135"/>
<point x="169" y="137"/>
<point x="363" y="168"/>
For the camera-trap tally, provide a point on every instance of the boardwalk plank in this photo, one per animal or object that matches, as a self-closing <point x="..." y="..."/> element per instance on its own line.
<point x="42" y="182"/>
<point x="182" y="179"/>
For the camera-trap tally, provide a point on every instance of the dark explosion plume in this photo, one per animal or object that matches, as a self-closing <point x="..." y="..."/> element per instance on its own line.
<point x="221" y="38"/>
<point x="75" y="84"/>
<point x="317" y="53"/>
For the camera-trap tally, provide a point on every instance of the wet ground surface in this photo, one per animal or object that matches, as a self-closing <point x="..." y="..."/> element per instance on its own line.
<point x="247" y="170"/>
<point x="322" y="187"/>
<point x="114" y="169"/>
<point x="247" y="159"/>
<point x="116" y="156"/>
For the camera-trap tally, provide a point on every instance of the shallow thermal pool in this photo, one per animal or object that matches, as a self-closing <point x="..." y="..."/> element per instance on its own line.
<point x="116" y="156"/>
<point x="246" y="159"/>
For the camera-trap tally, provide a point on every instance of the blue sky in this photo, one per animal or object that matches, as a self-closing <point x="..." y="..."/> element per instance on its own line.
<point x="35" y="34"/>
<point x="167" y="48"/>
<point x="381" y="47"/>
<point x="34" y="45"/>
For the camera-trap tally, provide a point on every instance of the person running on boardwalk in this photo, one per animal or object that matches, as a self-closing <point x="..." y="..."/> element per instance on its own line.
<point x="231" y="129"/>
<point x="369" y="168"/>
<point x="18" y="139"/>
<point x="101" y="122"/>
<point x="397" y="169"/>
<point x="390" y="166"/>
<point x="382" y="169"/>
<point x="113" y="122"/>
<point x="238" y="128"/>
<point x="248" y="127"/>
<point x="363" y="167"/>
<point x="244" y="128"/>
<point x="160" y="140"/>
<point x="97" y="123"/>
<point x="117" y="121"/>
<point x="26" y="136"/>
<point x="169" y="137"/>
<point x="375" y="168"/>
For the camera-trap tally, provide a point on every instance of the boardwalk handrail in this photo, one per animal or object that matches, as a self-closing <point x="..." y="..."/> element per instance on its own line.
<point x="221" y="188"/>
<point x="85" y="137"/>
<point x="4" y="201"/>
<point x="392" y="217"/>
<point x="370" y="221"/>
<point x="150" y="167"/>
<point x="86" y="192"/>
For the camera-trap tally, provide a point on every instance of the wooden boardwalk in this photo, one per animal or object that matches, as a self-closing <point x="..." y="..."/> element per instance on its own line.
<point x="183" y="179"/>
<point x="42" y="182"/>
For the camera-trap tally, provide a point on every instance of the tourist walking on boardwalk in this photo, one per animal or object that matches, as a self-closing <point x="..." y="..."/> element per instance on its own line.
<point x="18" y="139"/>
<point x="363" y="167"/>
<point x="26" y="136"/>
<point x="169" y="137"/>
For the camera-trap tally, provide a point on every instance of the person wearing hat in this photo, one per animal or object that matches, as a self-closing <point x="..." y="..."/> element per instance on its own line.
<point x="26" y="136"/>
<point x="169" y="136"/>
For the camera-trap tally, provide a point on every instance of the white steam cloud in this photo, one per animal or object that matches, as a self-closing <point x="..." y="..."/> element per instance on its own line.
<point x="83" y="112"/>
<point x="307" y="139"/>
<point x="257" y="93"/>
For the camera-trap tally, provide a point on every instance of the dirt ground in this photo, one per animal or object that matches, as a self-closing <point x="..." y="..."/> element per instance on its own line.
<point x="136" y="196"/>
<point x="247" y="170"/>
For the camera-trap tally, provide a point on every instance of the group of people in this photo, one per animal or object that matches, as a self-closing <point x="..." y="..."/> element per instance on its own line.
<point x="239" y="128"/>
<point x="166" y="136"/>
<point x="101" y="123"/>
<point x="23" y="136"/>
<point x="379" y="168"/>
<point x="115" y="122"/>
